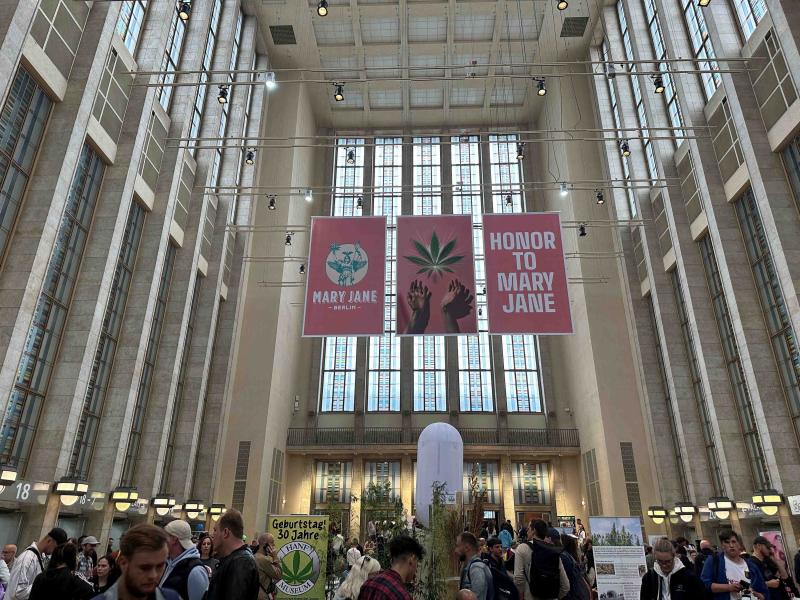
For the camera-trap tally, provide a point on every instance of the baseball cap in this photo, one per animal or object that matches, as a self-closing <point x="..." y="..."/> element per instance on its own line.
<point x="181" y="530"/>
<point x="91" y="540"/>
<point x="554" y="534"/>
<point x="59" y="535"/>
<point x="762" y="540"/>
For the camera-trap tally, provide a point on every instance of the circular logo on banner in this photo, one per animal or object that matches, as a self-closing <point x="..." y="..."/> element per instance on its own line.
<point x="346" y="264"/>
<point x="299" y="567"/>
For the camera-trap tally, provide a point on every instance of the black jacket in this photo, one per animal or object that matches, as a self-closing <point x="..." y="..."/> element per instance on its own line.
<point x="61" y="584"/>
<point x="236" y="577"/>
<point x="683" y="585"/>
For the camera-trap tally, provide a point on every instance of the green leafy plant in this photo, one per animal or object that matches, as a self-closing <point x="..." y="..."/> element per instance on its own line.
<point x="381" y="506"/>
<point x="296" y="570"/>
<point x="434" y="259"/>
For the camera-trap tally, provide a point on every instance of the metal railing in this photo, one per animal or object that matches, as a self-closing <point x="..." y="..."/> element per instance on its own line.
<point x="370" y="436"/>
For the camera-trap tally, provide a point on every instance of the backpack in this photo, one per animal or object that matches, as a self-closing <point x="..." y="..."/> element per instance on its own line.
<point x="504" y="587"/>
<point x="545" y="575"/>
<point x="490" y="592"/>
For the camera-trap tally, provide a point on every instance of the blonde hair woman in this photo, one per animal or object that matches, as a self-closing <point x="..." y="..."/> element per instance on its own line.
<point x="363" y="569"/>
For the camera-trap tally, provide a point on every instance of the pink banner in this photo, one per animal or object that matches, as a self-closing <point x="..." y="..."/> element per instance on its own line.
<point x="435" y="276"/>
<point x="776" y="539"/>
<point x="345" y="287"/>
<point x="526" y="279"/>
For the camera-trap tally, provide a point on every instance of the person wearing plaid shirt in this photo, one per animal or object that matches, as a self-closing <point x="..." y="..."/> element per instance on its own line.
<point x="390" y="584"/>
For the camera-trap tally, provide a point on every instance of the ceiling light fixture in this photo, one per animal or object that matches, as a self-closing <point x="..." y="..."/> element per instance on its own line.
<point x="360" y="202"/>
<point x="721" y="506"/>
<point x="322" y="8"/>
<point x="704" y="3"/>
<point x="658" y="84"/>
<point x="288" y="241"/>
<point x="657" y="514"/>
<point x="184" y="10"/>
<point x="520" y="150"/>
<point x="269" y="80"/>
<point x="124" y="497"/>
<point x="216" y="511"/>
<point x="302" y="269"/>
<point x="222" y="96"/>
<point x="70" y="490"/>
<point x="564" y="189"/>
<point x="562" y="4"/>
<point x="193" y="508"/>
<point x="625" y="148"/>
<point x="338" y="93"/>
<point x="582" y="230"/>
<point x="8" y="475"/>
<point x="541" y="90"/>
<point x="250" y="156"/>
<point x="685" y="511"/>
<point x="271" y="205"/>
<point x="351" y="156"/>
<point x="769" y="501"/>
<point x="309" y="195"/>
<point x="162" y="504"/>
<point x="509" y="201"/>
<point x="600" y="198"/>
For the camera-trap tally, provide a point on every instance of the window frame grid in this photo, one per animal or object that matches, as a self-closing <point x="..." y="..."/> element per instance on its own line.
<point x="322" y="484"/>
<point x="700" y="398"/>
<point x="172" y="60"/>
<point x="778" y="324"/>
<point x="507" y="175"/>
<point x="372" y="474"/>
<point x="148" y="367"/>
<point x="486" y="472"/>
<point x="749" y="14"/>
<point x="27" y="396"/>
<point x="205" y="67"/>
<point x="733" y="363"/>
<point x="670" y="94"/>
<point x="475" y="379"/>
<point x="430" y="375"/>
<point x="130" y="23"/>
<point x="703" y="49"/>
<point x="641" y="111"/>
<point x="27" y="111"/>
<point x="105" y="354"/>
<point x="539" y="474"/>
<point x="633" y="209"/>
<point x="216" y="163"/>
<point x="383" y="374"/>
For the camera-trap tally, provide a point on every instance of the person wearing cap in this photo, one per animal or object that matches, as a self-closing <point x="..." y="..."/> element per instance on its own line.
<point x="185" y="572"/>
<point x="29" y="564"/>
<point x="87" y="559"/>
<point x="774" y="572"/>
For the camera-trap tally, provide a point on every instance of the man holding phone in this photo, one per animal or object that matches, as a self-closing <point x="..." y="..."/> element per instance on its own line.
<point x="724" y="573"/>
<point x="269" y="567"/>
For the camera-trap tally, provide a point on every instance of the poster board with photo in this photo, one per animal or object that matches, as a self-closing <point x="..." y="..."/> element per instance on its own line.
<point x="618" y="546"/>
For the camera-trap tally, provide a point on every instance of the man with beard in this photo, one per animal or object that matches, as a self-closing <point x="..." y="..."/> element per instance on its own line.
<point x="142" y="560"/>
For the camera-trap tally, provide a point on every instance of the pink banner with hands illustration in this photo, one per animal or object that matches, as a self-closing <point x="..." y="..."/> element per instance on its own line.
<point x="345" y="288"/>
<point x="435" y="276"/>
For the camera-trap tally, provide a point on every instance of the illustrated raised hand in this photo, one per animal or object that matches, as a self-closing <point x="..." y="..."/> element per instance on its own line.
<point x="419" y="301"/>
<point x="456" y="304"/>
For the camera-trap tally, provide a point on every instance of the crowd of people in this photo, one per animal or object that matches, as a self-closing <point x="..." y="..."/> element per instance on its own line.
<point x="539" y="562"/>
<point x="151" y="563"/>
<point x="536" y="562"/>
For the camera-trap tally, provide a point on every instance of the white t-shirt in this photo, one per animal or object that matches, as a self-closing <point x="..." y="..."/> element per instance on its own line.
<point x="735" y="573"/>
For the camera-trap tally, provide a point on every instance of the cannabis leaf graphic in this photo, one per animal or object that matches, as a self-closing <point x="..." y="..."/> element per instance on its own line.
<point x="434" y="260"/>
<point x="293" y="573"/>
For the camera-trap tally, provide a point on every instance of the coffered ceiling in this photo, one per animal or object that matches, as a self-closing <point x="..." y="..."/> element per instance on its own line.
<point x="423" y="63"/>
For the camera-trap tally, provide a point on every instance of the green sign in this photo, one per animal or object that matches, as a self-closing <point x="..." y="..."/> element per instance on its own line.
<point x="301" y="543"/>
